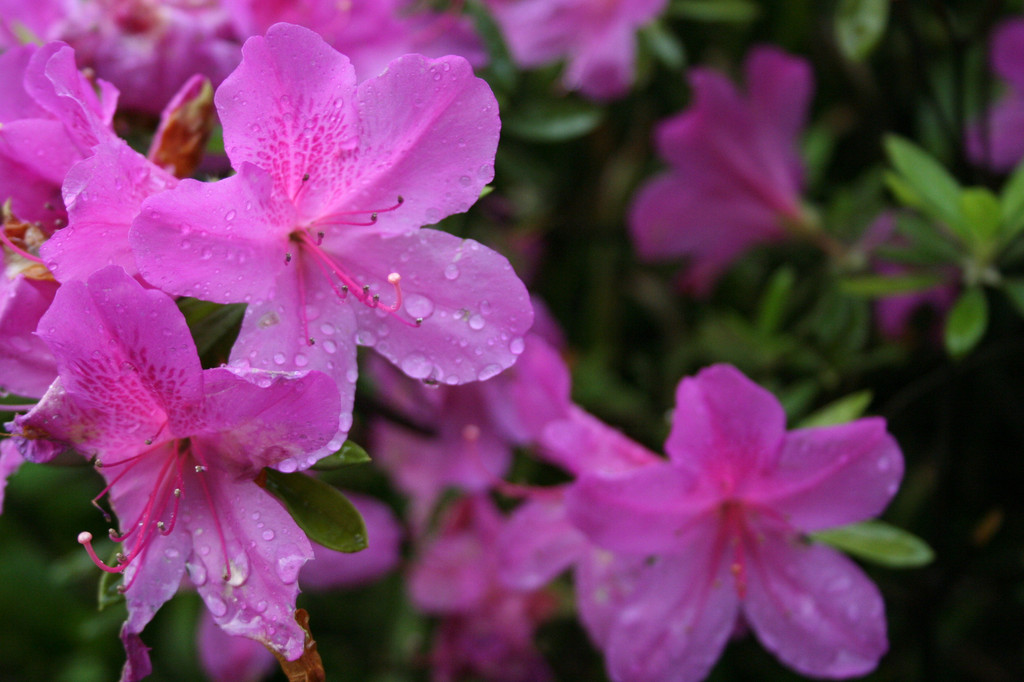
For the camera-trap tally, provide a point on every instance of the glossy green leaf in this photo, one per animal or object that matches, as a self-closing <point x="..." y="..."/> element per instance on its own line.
<point x="880" y="286"/>
<point x="880" y="543"/>
<point x="982" y="214"/>
<point x="859" y="25"/>
<point x="664" y="45"/>
<point x="349" y="453"/>
<point x="553" y="120"/>
<point x="938" y="194"/>
<point x="1014" y="290"/>
<point x="967" y="322"/>
<point x="1012" y="203"/>
<point x="327" y="517"/>
<point x="773" y="303"/>
<point x="841" y="411"/>
<point x="715" y="10"/>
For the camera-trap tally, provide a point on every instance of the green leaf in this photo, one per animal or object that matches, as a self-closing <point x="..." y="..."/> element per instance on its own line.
<point x="880" y="286"/>
<point x="553" y="120"/>
<point x="109" y="592"/>
<point x="966" y="322"/>
<point x="350" y="453"/>
<point x="715" y="10"/>
<point x="859" y="25"/>
<point x="1012" y="203"/>
<point x="1014" y="290"/>
<point x="841" y="411"/>
<point x="879" y="543"/>
<point x="327" y="517"/>
<point x="982" y="214"/>
<point x="938" y="194"/>
<point x="664" y="45"/>
<point x="773" y="303"/>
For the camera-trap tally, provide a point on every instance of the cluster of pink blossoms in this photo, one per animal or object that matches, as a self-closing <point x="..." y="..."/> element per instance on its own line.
<point x="320" y="232"/>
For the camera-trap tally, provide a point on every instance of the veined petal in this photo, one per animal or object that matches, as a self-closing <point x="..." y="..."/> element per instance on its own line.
<point x="653" y="509"/>
<point x="219" y="241"/>
<point x="103" y="194"/>
<point x="725" y="426"/>
<point x="127" y="352"/>
<point x="264" y="552"/>
<point x="676" y="623"/>
<point x="276" y="335"/>
<point x="289" y="108"/>
<point x="428" y="133"/>
<point x="256" y="418"/>
<point x="475" y="310"/>
<point x="814" y="608"/>
<point x="834" y="475"/>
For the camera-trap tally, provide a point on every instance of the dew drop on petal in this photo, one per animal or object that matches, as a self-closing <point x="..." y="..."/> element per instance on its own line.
<point x="287" y="466"/>
<point x="268" y="535"/>
<point x="488" y="371"/>
<point x="288" y="568"/>
<point x="216" y="605"/>
<point x="419" y="306"/>
<point x="417" y="366"/>
<point x="197" y="572"/>
<point x="260" y="606"/>
<point x="476" y="322"/>
<point x="279" y="358"/>
<point x="301" y="360"/>
<point x="516" y="346"/>
<point x="329" y="346"/>
<point x="451" y="271"/>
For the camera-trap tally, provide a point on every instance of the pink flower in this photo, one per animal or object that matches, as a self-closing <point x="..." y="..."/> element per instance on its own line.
<point x="319" y="230"/>
<point x="370" y="34"/>
<point x="476" y="426"/>
<point x="51" y="117"/>
<point x="734" y="179"/>
<point x="486" y="629"/>
<point x="1004" y="127"/>
<point x="596" y="38"/>
<point x="179" y="447"/>
<point x="725" y="520"/>
<point x="227" y="658"/>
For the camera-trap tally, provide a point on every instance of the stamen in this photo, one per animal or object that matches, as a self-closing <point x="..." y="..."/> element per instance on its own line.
<point x="336" y="218"/>
<point x="213" y="514"/>
<point x="85" y="539"/>
<point x="17" y="249"/>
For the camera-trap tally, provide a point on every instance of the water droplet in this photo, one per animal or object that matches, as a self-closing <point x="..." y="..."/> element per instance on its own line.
<point x="255" y="516"/>
<point x="451" y="271"/>
<point x="465" y="180"/>
<point x="351" y="375"/>
<point x="260" y="607"/>
<point x="417" y="366"/>
<point x="204" y="550"/>
<point x="488" y="372"/>
<point x="279" y="358"/>
<point x="216" y="605"/>
<point x="268" y="535"/>
<point x="419" y="306"/>
<point x="485" y="307"/>
<point x="230" y="215"/>
<point x="301" y="360"/>
<point x="287" y="466"/>
<point x="197" y="572"/>
<point x="516" y="346"/>
<point x="329" y="346"/>
<point x="171" y="553"/>
<point x="288" y="568"/>
<point x="327" y="328"/>
<point x="365" y="338"/>
<point x="476" y="322"/>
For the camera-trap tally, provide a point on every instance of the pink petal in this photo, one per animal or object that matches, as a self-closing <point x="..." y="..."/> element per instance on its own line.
<point x="602" y="68"/>
<point x="261" y="419"/>
<point x="227" y="658"/>
<point x="428" y="133"/>
<point x="725" y="426"/>
<point x="832" y="476"/>
<point x="26" y="364"/>
<point x="475" y="310"/>
<point x="605" y="584"/>
<point x="223" y="241"/>
<point x="780" y="87"/>
<point x="16" y="102"/>
<point x="814" y="608"/>
<point x="581" y="443"/>
<point x="537" y="543"/>
<point x="649" y="510"/>
<point x="103" y="194"/>
<point x="331" y="570"/>
<point x="10" y="461"/>
<point x="276" y="335"/>
<point x="289" y="109"/>
<point x="676" y="623"/>
<point x="265" y="551"/>
<point x="1007" y="54"/>
<point x="1005" y="124"/>
<point x="126" y="351"/>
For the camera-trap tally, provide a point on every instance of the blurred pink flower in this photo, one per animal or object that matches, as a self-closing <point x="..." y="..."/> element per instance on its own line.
<point x="998" y="140"/>
<point x="723" y="523"/>
<point x="597" y="38"/>
<point x="734" y="177"/>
